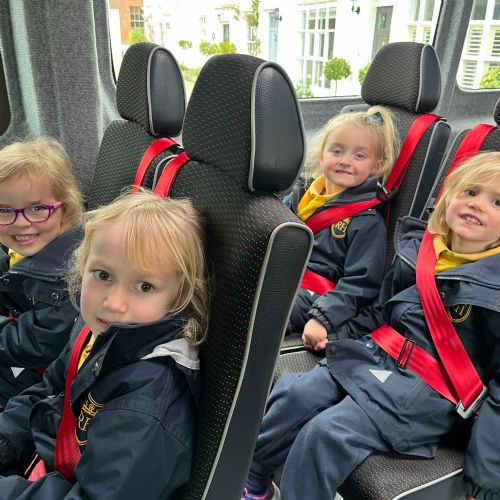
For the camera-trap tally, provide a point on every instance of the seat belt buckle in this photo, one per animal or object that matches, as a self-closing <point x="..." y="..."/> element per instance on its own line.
<point x="383" y="194"/>
<point x="406" y="354"/>
<point x="473" y="408"/>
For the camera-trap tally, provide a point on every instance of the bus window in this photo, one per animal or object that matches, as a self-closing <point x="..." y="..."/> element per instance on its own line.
<point x="480" y="63"/>
<point x="312" y="40"/>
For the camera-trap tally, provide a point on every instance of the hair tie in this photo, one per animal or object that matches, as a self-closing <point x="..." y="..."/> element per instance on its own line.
<point x="377" y="118"/>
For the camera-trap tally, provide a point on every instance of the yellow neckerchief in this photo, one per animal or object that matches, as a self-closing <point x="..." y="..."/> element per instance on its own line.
<point x="314" y="199"/>
<point x="86" y="351"/>
<point x="14" y="257"/>
<point x="448" y="259"/>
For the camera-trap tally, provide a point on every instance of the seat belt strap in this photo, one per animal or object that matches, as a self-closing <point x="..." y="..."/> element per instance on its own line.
<point x="454" y="357"/>
<point x="67" y="451"/>
<point x="169" y="174"/>
<point x="332" y="215"/>
<point x="415" y="133"/>
<point x="154" y="149"/>
<point x="410" y="355"/>
<point x="471" y="144"/>
<point x="316" y="283"/>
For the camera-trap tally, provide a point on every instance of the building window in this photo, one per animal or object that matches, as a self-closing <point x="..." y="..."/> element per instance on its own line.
<point x="203" y="26"/>
<point x="225" y="32"/>
<point x="423" y="20"/>
<point x="317" y="36"/>
<point x="481" y="51"/>
<point x="136" y="18"/>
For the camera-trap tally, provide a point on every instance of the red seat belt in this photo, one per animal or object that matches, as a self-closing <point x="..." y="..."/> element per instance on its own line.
<point x="154" y="149"/>
<point x="471" y="144"/>
<point x="332" y="215"/>
<point x="453" y="355"/>
<point x="454" y="376"/>
<point x="67" y="452"/>
<point x="316" y="283"/>
<point x="409" y="355"/>
<point x="167" y="178"/>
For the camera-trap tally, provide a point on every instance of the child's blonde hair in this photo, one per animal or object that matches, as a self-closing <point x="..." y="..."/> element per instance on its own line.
<point x="385" y="139"/>
<point x="45" y="158"/>
<point x="163" y="235"/>
<point x="478" y="170"/>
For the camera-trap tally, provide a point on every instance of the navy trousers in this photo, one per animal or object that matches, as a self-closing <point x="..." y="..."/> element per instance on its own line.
<point x="317" y="431"/>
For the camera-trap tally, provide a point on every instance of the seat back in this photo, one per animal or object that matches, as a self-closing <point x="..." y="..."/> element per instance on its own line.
<point x="151" y="100"/>
<point x="399" y="476"/>
<point x="244" y="136"/>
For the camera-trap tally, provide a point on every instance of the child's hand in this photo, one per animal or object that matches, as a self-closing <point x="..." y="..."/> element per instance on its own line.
<point x="315" y="335"/>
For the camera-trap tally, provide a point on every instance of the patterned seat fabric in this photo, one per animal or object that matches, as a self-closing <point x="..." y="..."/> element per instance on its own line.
<point x="151" y="100"/>
<point x="244" y="136"/>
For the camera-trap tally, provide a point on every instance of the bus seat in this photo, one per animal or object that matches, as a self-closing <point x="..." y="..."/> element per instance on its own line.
<point x="244" y="136"/>
<point x="404" y="77"/>
<point x="391" y="476"/>
<point x="150" y="98"/>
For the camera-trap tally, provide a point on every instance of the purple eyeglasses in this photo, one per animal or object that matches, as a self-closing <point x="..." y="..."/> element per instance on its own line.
<point x="33" y="213"/>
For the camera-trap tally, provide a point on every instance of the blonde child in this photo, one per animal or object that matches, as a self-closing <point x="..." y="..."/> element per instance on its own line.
<point x="144" y="300"/>
<point x="40" y="214"/>
<point x="324" y="423"/>
<point x="346" y="161"/>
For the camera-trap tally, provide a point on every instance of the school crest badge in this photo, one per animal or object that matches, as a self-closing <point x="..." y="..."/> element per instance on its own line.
<point x="90" y="409"/>
<point x="459" y="312"/>
<point x="339" y="229"/>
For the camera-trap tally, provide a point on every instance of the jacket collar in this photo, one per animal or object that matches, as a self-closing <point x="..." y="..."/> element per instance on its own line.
<point x="52" y="259"/>
<point x="122" y="343"/>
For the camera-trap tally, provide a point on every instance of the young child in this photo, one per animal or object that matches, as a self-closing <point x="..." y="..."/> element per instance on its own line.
<point x="347" y="158"/>
<point x="322" y="424"/>
<point x="144" y="299"/>
<point x="40" y="216"/>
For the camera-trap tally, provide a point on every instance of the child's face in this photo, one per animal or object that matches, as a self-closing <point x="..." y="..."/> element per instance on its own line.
<point x="473" y="217"/>
<point x="348" y="157"/>
<point x="114" y="293"/>
<point x="24" y="237"/>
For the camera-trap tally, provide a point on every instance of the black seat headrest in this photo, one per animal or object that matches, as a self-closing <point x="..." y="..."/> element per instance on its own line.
<point x="417" y="88"/>
<point x="150" y="89"/>
<point x="243" y="117"/>
<point x="496" y="113"/>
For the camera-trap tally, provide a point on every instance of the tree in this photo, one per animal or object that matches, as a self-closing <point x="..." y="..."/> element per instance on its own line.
<point x="185" y="44"/>
<point x="491" y="79"/>
<point x="336" y="69"/>
<point x="303" y="89"/>
<point x="136" y="35"/>
<point x="209" y="49"/>
<point x="362" y="73"/>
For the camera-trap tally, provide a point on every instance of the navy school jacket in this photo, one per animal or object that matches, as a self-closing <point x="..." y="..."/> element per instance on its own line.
<point x="36" y="313"/>
<point x="411" y="416"/>
<point x="351" y="253"/>
<point x="134" y="399"/>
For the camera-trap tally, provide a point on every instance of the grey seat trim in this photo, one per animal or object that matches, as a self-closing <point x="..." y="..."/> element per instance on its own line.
<point x="255" y="304"/>
<point x="430" y="483"/>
